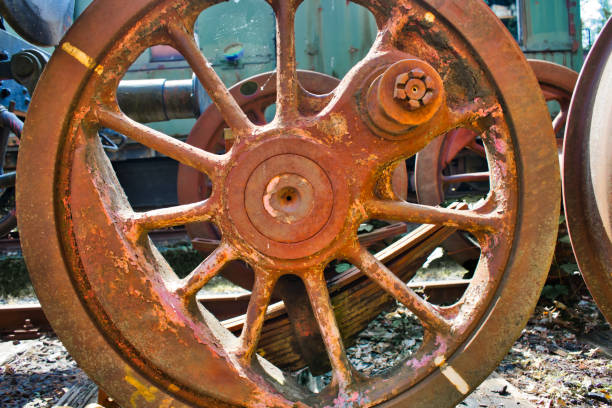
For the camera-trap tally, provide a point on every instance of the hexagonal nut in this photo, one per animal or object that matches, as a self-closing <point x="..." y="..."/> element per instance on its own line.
<point x="401" y="79"/>
<point x="429" y="82"/>
<point x="400" y="93"/>
<point x="428" y="97"/>
<point x="413" y="105"/>
<point x="417" y="73"/>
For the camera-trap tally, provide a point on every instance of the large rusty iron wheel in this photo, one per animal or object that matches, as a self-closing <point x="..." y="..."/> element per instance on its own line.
<point x="137" y="329"/>
<point x="556" y="83"/>
<point x="302" y="344"/>
<point x="587" y="171"/>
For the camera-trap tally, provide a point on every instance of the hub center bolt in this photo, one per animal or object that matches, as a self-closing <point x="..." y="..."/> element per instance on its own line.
<point x="408" y="93"/>
<point x="415" y="88"/>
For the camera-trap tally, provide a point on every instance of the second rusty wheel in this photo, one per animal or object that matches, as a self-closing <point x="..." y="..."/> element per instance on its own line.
<point x="587" y="171"/>
<point x="288" y="199"/>
<point x="459" y="156"/>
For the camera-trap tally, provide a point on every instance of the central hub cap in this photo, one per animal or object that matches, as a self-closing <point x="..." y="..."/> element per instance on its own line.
<point x="288" y="198"/>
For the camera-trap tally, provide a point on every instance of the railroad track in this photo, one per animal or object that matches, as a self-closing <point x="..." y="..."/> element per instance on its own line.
<point x="167" y="237"/>
<point x="26" y="321"/>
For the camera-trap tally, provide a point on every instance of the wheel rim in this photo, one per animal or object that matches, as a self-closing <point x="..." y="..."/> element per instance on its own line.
<point x="556" y="83"/>
<point x="587" y="170"/>
<point x="92" y="217"/>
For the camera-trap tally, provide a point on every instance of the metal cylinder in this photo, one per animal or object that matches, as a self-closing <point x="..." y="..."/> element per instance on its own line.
<point x="158" y="100"/>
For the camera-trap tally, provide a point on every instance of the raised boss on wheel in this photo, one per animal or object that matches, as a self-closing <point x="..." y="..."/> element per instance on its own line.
<point x="136" y="328"/>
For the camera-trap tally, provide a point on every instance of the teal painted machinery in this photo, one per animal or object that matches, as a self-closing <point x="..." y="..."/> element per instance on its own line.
<point x="238" y="38"/>
<point x="332" y="35"/>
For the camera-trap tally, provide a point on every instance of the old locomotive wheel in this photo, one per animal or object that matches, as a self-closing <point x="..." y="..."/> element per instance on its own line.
<point x="433" y="187"/>
<point x="301" y="343"/>
<point x="136" y="328"/>
<point x="587" y="171"/>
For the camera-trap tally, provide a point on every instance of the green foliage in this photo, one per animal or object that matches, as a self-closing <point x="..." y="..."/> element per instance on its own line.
<point x="564" y="239"/>
<point x="14" y="278"/>
<point x="343" y="267"/>
<point x="365" y="228"/>
<point x="15" y="281"/>
<point x="606" y="9"/>
<point x="182" y="258"/>
<point x="570" y="268"/>
<point x="554" y="291"/>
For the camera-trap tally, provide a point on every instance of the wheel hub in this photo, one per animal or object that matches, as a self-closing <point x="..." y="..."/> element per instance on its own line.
<point x="287" y="198"/>
<point x="280" y="198"/>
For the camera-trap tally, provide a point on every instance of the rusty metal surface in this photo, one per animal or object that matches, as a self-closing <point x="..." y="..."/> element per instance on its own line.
<point x="556" y="83"/>
<point x="255" y="95"/>
<point x="104" y="287"/>
<point x="587" y="171"/>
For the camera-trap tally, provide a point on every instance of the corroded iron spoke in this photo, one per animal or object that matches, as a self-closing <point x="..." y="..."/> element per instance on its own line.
<point x="474" y="115"/>
<point x="256" y="312"/>
<point x="559" y="121"/>
<point x="172" y="216"/>
<point x="286" y="80"/>
<point x="375" y="270"/>
<point x="203" y="273"/>
<point x="316" y="286"/>
<point x="466" y="177"/>
<point x="466" y="220"/>
<point x="227" y="105"/>
<point x="189" y="155"/>
<point x="475" y="147"/>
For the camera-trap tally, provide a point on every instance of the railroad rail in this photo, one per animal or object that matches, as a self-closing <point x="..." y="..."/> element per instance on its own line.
<point x="27" y="321"/>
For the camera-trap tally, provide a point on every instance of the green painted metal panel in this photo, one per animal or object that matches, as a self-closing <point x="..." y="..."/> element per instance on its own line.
<point x="551" y="30"/>
<point x="332" y="35"/>
<point x="546" y="26"/>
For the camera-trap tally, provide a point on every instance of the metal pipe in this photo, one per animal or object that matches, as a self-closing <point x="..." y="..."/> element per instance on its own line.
<point x="7" y="180"/>
<point x="158" y="100"/>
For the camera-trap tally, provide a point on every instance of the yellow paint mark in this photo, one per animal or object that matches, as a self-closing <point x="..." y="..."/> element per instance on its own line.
<point x="148" y="394"/>
<point x="452" y="375"/>
<point x="173" y="388"/>
<point x="429" y="17"/>
<point x="83" y="58"/>
<point x="166" y="403"/>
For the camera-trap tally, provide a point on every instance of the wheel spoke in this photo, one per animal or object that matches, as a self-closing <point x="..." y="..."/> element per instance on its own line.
<point x="256" y="313"/>
<point x="205" y="271"/>
<point x="559" y="121"/>
<point x="466" y="220"/>
<point x="171" y="216"/>
<point x="475" y="147"/>
<point x="185" y="43"/>
<point x="189" y="155"/>
<point x="286" y="78"/>
<point x="465" y="177"/>
<point x="316" y="286"/>
<point x="388" y="281"/>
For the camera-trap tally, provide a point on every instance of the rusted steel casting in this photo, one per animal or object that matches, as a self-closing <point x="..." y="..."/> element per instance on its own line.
<point x="436" y="178"/>
<point x="288" y="198"/>
<point x="587" y="171"/>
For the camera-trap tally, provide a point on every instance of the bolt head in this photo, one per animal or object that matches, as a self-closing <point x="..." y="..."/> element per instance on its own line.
<point x="429" y="96"/>
<point x="417" y="73"/>
<point x="414" y="104"/>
